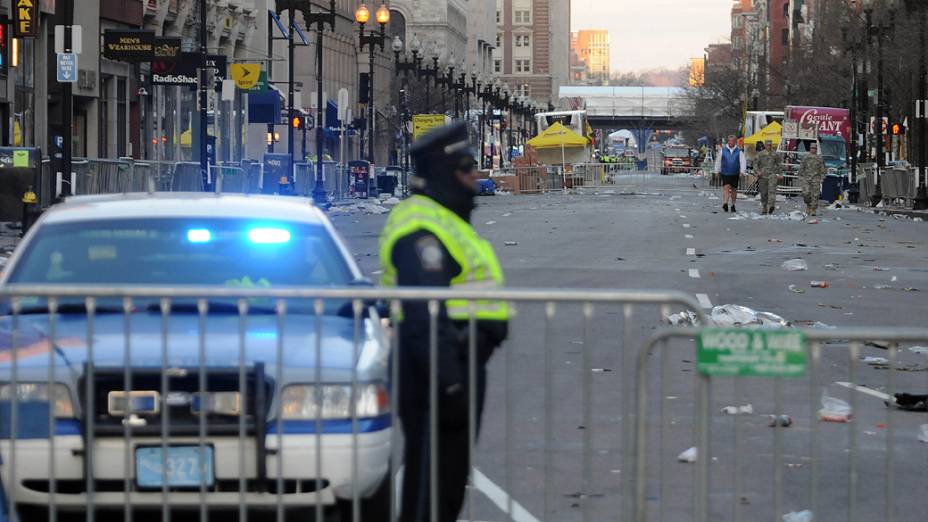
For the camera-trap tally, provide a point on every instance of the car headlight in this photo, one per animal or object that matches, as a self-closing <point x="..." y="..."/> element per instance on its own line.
<point x="36" y="391"/>
<point x="300" y="401"/>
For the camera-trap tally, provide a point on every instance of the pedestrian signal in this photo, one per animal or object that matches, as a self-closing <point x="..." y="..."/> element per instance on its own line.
<point x="297" y="122"/>
<point x="898" y="129"/>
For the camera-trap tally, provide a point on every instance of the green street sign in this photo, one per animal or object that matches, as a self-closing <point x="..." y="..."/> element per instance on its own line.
<point x="751" y="352"/>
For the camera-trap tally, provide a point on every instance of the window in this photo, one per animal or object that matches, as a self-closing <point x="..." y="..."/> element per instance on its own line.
<point x="497" y="66"/>
<point x="523" y="40"/>
<point x="499" y="16"/>
<point x="523" y="90"/>
<point x="499" y="40"/>
<point x="523" y="16"/>
<point x="785" y="36"/>
<point x="786" y="11"/>
<point x="523" y="66"/>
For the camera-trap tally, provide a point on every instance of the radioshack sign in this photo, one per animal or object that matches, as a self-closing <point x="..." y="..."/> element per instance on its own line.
<point x="183" y="70"/>
<point x="26" y="18"/>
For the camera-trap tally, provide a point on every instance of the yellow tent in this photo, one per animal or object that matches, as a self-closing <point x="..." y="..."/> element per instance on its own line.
<point x="770" y="132"/>
<point x="557" y="136"/>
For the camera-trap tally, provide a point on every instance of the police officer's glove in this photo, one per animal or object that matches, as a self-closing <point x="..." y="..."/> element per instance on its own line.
<point x="453" y="409"/>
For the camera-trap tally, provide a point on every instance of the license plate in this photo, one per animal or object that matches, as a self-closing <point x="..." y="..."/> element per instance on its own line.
<point x="186" y="467"/>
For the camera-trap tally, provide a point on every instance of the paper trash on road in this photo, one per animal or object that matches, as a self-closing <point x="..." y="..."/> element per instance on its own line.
<point x="689" y="456"/>
<point x="359" y="208"/>
<point x="794" y="265"/>
<point x="747" y="409"/>
<point x="684" y="318"/>
<point x="736" y="315"/>
<point x="798" y="516"/>
<point x="919" y="349"/>
<point x="834" y="409"/>
<point x="796" y="290"/>
<point x="876" y="361"/>
<point x="923" y="433"/>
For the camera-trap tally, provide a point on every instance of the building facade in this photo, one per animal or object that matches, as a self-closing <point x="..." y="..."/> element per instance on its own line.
<point x="532" y="51"/>
<point x="592" y="48"/>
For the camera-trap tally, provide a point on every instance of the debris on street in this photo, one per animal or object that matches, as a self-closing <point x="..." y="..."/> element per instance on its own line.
<point x="736" y="315"/>
<point x="511" y="243"/>
<point x="796" y="290"/>
<point x="689" y="456"/>
<point x="923" y="433"/>
<point x="747" y="409"/>
<point x="910" y="402"/>
<point x="783" y="421"/>
<point x="818" y="284"/>
<point x="869" y="359"/>
<point x="798" y="516"/>
<point x="795" y="265"/>
<point x="919" y="349"/>
<point x="834" y="409"/>
<point x="684" y="318"/>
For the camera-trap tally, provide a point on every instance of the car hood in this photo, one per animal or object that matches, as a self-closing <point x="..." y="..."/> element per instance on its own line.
<point x="222" y="344"/>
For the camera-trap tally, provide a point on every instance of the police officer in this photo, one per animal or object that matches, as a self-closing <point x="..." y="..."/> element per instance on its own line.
<point x="812" y="173"/>
<point x="428" y="242"/>
<point x="768" y="169"/>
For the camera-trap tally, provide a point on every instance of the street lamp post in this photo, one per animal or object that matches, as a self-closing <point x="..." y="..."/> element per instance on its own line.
<point x="921" y="123"/>
<point x="405" y="66"/>
<point x="881" y="31"/>
<point x="320" y="19"/>
<point x="362" y="16"/>
<point x="430" y="73"/>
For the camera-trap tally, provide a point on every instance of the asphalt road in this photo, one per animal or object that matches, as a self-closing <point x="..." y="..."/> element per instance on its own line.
<point x="671" y="235"/>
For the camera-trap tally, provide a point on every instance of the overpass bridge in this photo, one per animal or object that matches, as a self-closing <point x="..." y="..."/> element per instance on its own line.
<point x="641" y="110"/>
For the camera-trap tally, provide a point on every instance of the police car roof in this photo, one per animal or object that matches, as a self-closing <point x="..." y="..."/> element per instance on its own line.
<point x="182" y="205"/>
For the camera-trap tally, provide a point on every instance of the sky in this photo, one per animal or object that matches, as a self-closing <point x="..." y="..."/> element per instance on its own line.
<point x="647" y="34"/>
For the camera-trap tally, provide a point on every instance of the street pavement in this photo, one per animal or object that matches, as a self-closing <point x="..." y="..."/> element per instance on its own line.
<point x="674" y="236"/>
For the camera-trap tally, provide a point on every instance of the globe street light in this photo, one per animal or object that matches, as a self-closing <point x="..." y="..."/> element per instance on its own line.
<point x="362" y="15"/>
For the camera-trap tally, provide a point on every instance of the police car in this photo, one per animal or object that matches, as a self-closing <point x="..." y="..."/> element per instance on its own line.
<point x="173" y="240"/>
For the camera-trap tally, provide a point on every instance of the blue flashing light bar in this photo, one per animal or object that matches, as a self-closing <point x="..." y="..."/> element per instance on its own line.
<point x="199" y="235"/>
<point x="269" y="235"/>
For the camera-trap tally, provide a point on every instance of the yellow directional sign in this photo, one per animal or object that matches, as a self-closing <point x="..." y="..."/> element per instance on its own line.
<point x="422" y="123"/>
<point x="246" y="75"/>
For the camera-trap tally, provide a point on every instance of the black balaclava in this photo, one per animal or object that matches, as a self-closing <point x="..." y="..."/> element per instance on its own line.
<point x="447" y="190"/>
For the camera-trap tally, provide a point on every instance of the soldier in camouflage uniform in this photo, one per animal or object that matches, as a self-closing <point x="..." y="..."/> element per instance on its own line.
<point x="811" y="174"/>
<point x="768" y="169"/>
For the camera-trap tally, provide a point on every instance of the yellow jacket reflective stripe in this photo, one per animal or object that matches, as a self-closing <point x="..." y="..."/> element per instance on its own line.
<point x="480" y="268"/>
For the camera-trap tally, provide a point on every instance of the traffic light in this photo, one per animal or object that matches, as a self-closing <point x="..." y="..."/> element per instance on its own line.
<point x="296" y="121"/>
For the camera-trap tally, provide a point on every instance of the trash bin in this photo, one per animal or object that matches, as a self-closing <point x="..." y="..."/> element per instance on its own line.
<point x="386" y="184"/>
<point x="831" y="188"/>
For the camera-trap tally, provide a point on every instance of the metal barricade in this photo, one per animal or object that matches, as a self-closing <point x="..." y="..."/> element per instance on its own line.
<point x="186" y="177"/>
<point x="229" y="179"/>
<point x="302" y="386"/>
<point x="746" y="467"/>
<point x="104" y="176"/>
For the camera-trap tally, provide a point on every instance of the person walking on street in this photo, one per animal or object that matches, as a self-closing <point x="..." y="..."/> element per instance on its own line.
<point x="812" y="173"/>
<point x="428" y="241"/>
<point x="730" y="164"/>
<point x="768" y="169"/>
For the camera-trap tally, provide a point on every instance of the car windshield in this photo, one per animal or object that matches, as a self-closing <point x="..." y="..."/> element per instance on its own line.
<point x="233" y="253"/>
<point x="676" y="152"/>
<point x="834" y="150"/>
<point x="222" y="252"/>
